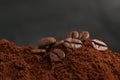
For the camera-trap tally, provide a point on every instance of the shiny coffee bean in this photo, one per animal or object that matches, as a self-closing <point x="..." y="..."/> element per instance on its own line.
<point x="73" y="34"/>
<point x="72" y="45"/>
<point x="57" y="55"/>
<point x="71" y="40"/>
<point x="38" y="51"/>
<point x="84" y="35"/>
<point x="46" y="42"/>
<point x="99" y="45"/>
<point x="58" y="43"/>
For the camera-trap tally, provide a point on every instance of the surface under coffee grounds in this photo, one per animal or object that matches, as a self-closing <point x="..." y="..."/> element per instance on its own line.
<point x="84" y="63"/>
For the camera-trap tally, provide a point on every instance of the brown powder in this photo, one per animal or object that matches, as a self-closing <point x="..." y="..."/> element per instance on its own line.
<point x="85" y="63"/>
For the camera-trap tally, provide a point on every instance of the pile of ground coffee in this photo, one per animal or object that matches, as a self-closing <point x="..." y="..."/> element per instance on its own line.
<point x="85" y="63"/>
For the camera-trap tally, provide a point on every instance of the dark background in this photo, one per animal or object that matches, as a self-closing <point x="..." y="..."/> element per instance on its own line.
<point x="27" y="21"/>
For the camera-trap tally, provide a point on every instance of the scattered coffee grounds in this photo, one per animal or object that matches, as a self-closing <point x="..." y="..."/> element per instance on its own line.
<point x="84" y="63"/>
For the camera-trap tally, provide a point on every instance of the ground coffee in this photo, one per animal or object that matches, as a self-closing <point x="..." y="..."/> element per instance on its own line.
<point x="85" y="63"/>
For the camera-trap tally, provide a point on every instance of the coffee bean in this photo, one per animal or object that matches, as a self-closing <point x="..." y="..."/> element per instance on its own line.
<point x="54" y="57"/>
<point x="46" y="42"/>
<point x="59" y="52"/>
<point x="84" y="35"/>
<point x="58" y="43"/>
<point x="73" y="34"/>
<point x="57" y="55"/>
<point x="77" y="46"/>
<point x="99" y="42"/>
<point x="99" y="45"/>
<point x="38" y="50"/>
<point x="71" y="40"/>
<point x="72" y="45"/>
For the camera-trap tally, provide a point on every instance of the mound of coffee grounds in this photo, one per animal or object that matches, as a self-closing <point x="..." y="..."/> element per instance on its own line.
<point x="85" y="63"/>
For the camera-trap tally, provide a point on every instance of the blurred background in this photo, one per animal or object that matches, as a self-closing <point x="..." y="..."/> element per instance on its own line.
<point x="27" y="21"/>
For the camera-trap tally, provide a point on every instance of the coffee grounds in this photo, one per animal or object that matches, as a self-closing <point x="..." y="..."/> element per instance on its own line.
<point x="85" y="63"/>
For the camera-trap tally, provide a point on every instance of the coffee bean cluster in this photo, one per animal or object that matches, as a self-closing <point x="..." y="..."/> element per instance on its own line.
<point x="48" y="45"/>
<point x="75" y="40"/>
<point x="45" y="47"/>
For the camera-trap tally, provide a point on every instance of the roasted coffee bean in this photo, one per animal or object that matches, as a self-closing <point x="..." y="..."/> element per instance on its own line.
<point x="46" y="42"/>
<point x="73" y="40"/>
<point x="57" y="55"/>
<point x="84" y="35"/>
<point x="38" y="50"/>
<point x="99" y="42"/>
<point x="99" y="45"/>
<point x="58" y="43"/>
<point x="54" y="57"/>
<point x="73" y="34"/>
<point x="72" y="45"/>
<point x="59" y="52"/>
